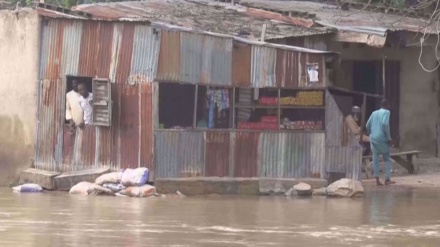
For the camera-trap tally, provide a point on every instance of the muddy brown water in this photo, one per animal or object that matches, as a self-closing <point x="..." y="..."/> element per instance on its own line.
<point x="384" y="217"/>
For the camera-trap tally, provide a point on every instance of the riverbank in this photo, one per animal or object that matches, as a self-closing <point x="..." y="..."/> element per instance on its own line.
<point x="428" y="176"/>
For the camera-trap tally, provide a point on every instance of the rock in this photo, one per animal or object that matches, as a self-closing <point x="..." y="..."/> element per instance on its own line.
<point x="320" y="192"/>
<point x="345" y="188"/>
<point x="303" y="189"/>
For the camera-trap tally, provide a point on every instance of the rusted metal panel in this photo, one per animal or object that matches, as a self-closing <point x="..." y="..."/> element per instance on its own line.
<point x="169" y="56"/>
<point x="334" y="122"/>
<point x="241" y="64"/>
<point x="179" y="154"/>
<point x="124" y="56"/>
<point x="84" y="149"/>
<point x="146" y="123"/>
<point x="287" y="69"/>
<point x="217" y="154"/>
<point x="129" y="126"/>
<point x="51" y="48"/>
<point x="291" y="155"/>
<point x="68" y="149"/>
<point x="216" y="61"/>
<point x="50" y="125"/>
<point x="246" y="154"/>
<point x="145" y="54"/>
<point x="96" y="46"/>
<point x="191" y="54"/>
<point x="346" y="160"/>
<point x="71" y="46"/>
<point x="263" y="67"/>
<point x="302" y="69"/>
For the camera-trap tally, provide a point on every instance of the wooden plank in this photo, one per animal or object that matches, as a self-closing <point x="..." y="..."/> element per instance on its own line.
<point x="397" y="154"/>
<point x="406" y="165"/>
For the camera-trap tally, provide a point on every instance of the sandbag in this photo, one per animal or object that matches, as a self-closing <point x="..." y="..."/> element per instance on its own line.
<point x="114" y="187"/>
<point x="86" y="188"/>
<point x="139" y="191"/>
<point x="27" y="188"/>
<point x="135" y="177"/>
<point x="81" y="188"/>
<point x="111" y="178"/>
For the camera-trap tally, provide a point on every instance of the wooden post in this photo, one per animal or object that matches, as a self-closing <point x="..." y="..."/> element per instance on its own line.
<point x="233" y="108"/>
<point x="363" y="112"/>
<point x="195" y="107"/>
<point x="383" y="75"/>
<point x="279" y="108"/>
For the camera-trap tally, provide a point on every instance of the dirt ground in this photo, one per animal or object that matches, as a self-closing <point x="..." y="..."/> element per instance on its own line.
<point x="428" y="176"/>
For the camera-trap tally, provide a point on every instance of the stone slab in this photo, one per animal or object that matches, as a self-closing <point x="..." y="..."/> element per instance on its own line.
<point x="207" y="186"/>
<point x="44" y="178"/>
<point x="282" y="185"/>
<point x="67" y="180"/>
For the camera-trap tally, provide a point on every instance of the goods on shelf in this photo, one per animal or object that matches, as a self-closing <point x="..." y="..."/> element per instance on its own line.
<point x="257" y="126"/>
<point x="268" y="100"/>
<point x="269" y="119"/>
<point x="302" y="125"/>
<point x="304" y="98"/>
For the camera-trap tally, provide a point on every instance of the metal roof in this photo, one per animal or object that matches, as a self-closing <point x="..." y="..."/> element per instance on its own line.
<point x="206" y="16"/>
<point x="355" y="20"/>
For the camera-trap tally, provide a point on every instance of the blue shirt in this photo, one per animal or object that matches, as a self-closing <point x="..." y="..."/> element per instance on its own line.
<point x="379" y="126"/>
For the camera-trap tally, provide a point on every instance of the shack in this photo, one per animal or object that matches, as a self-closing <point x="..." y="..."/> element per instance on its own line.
<point x="187" y="103"/>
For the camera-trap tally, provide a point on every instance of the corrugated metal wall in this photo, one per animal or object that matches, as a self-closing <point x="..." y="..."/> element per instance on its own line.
<point x="343" y="153"/>
<point x="239" y="154"/>
<point x="128" y="55"/>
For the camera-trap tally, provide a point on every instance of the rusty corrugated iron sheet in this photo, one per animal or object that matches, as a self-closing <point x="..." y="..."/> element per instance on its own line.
<point x="346" y="160"/>
<point x="201" y="16"/>
<point x="263" y="67"/>
<point x="246" y="154"/>
<point x="52" y="43"/>
<point x="124" y="53"/>
<point x="334" y="122"/>
<point x="191" y="51"/>
<point x="145" y="54"/>
<point x="241" y="64"/>
<point x="146" y="123"/>
<point x="129" y="126"/>
<point x="307" y="23"/>
<point x="71" y="45"/>
<point x="292" y="155"/>
<point x="169" y="57"/>
<point x="217" y="154"/>
<point x="216" y="61"/>
<point x="179" y="154"/>
<point x="287" y="69"/>
<point x="50" y="125"/>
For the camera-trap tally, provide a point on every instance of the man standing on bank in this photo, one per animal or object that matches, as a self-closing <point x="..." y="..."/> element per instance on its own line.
<point x="380" y="140"/>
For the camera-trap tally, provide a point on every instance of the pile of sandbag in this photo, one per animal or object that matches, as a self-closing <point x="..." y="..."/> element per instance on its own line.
<point x="129" y="182"/>
<point x="27" y="188"/>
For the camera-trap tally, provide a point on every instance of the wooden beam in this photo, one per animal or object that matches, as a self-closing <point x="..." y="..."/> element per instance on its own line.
<point x="364" y="108"/>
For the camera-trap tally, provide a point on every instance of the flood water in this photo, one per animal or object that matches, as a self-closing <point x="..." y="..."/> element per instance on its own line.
<point x="383" y="217"/>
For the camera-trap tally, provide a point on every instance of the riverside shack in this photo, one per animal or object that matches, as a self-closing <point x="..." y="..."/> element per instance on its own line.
<point x="187" y="102"/>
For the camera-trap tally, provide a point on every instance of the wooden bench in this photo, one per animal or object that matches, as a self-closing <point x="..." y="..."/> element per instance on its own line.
<point x="410" y="164"/>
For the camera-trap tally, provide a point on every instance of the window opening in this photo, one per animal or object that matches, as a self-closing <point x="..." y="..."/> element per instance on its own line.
<point x="176" y="106"/>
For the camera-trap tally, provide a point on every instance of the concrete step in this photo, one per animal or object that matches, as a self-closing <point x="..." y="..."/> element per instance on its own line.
<point x="44" y="178"/>
<point x="67" y="180"/>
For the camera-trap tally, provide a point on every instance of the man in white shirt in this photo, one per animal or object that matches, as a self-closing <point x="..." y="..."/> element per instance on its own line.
<point x="74" y="112"/>
<point x="86" y="103"/>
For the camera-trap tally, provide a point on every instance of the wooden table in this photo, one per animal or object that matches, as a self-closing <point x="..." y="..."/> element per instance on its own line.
<point x="410" y="164"/>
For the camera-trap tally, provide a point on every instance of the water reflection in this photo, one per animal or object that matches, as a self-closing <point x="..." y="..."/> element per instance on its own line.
<point x="384" y="217"/>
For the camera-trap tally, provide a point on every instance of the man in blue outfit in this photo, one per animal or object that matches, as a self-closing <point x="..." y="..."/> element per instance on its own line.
<point x="380" y="140"/>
